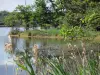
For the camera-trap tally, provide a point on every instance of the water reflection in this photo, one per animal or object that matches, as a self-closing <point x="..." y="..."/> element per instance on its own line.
<point x="47" y="48"/>
<point x="56" y="48"/>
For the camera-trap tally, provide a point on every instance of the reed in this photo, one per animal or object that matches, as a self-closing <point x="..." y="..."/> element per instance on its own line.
<point x="80" y="62"/>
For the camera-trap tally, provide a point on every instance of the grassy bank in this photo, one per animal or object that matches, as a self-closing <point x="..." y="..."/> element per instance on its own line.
<point x="49" y="32"/>
<point x="52" y="33"/>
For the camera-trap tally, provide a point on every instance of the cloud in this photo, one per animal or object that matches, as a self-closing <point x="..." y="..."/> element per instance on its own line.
<point x="11" y="4"/>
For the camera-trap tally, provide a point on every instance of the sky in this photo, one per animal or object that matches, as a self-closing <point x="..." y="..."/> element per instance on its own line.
<point x="10" y="5"/>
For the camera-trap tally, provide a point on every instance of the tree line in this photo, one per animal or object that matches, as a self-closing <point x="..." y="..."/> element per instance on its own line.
<point x="55" y="13"/>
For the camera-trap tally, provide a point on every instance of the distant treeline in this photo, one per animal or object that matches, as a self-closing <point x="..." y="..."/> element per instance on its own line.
<point x="3" y="14"/>
<point x="54" y="13"/>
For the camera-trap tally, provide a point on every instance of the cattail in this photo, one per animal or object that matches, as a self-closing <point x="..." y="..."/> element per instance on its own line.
<point x="35" y="48"/>
<point x="84" y="59"/>
<point x="84" y="50"/>
<point x="35" y="52"/>
<point x="8" y="46"/>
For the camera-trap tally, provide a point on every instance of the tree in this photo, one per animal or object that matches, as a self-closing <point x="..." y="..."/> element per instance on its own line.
<point x="92" y="17"/>
<point x="43" y="14"/>
<point x="2" y="15"/>
<point x="76" y="11"/>
<point x="53" y="13"/>
<point x="21" y="16"/>
<point x="11" y="19"/>
<point x="24" y="15"/>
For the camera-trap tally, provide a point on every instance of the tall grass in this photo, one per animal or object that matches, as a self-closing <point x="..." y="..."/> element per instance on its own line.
<point x="80" y="62"/>
<point x="49" y="32"/>
<point x="24" y="62"/>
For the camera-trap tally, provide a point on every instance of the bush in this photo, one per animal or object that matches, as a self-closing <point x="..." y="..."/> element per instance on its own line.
<point x="14" y="32"/>
<point x="29" y="34"/>
<point x="71" y="32"/>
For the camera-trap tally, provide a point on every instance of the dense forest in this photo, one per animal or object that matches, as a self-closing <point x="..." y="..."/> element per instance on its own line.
<point x="54" y="13"/>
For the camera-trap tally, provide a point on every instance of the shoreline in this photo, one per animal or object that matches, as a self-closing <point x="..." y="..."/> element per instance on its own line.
<point x="50" y="37"/>
<point x="38" y="36"/>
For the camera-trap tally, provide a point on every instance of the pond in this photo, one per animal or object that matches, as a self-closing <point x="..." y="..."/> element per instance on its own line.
<point x="47" y="48"/>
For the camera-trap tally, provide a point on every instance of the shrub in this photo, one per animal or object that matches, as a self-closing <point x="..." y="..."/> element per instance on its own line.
<point x="14" y="32"/>
<point x="71" y="32"/>
<point x="29" y="34"/>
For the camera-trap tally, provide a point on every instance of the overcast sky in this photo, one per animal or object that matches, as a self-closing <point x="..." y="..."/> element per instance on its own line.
<point x="11" y="4"/>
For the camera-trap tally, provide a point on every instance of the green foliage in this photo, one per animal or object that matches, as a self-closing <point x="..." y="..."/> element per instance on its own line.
<point x="71" y="32"/>
<point x="78" y="10"/>
<point x="57" y="68"/>
<point x="43" y="16"/>
<point x="49" y="32"/>
<point x="87" y="65"/>
<point x="21" y="16"/>
<point x="24" y="62"/>
<point x="29" y="34"/>
<point x="2" y="15"/>
<point x="53" y="13"/>
<point x="92" y="18"/>
<point x="11" y="19"/>
<point x="14" y="32"/>
<point x="72" y="19"/>
<point x="24" y="15"/>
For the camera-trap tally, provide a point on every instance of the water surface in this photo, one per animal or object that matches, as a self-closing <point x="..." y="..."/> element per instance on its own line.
<point x="46" y="47"/>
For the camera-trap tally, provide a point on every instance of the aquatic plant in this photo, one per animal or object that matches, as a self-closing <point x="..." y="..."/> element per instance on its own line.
<point x="24" y="62"/>
<point x="86" y="64"/>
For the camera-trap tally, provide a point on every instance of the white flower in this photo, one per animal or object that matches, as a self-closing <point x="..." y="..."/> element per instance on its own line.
<point x="99" y="57"/>
<point x="91" y="51"/>
<point x="69" y="45"/>
<point x="75" y="46"/>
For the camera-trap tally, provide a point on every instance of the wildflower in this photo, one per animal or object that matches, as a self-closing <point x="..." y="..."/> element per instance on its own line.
<point x="71" y="53"/>
<point x="83" y="45"/>
<point x="75" y="46"/>
<point x="35" y="48"/>
<point x="91" y="51"/>
<point x="70" y="46"/>
<point x="84" y="61"/>
<point x="8" y="46"/>
<point x="73" y="56"/>
<point x="21" y="62"/>
<point x="83" y="52"/>
<point x="99" y="57"/>
<point x="16" y="58"/>
<point x="35" y="52"/>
